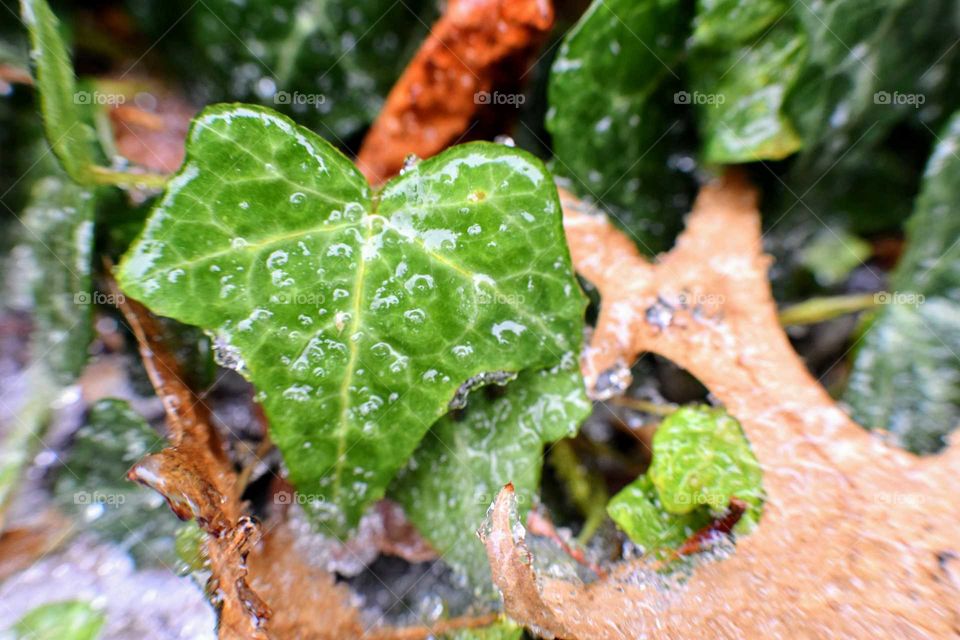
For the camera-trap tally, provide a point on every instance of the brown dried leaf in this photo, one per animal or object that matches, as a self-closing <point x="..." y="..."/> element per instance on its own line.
<point x="21" y="546"/>
<point x="475" y="47"/>
<point x="858" y="539"/>
<point x="197" y="480"/>
<point x="153" y="136"/>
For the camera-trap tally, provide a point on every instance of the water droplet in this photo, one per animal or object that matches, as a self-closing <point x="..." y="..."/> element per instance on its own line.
<point x="297" y="197"/>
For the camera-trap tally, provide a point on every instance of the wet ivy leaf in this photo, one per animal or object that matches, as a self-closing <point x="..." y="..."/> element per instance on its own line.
<point x="67" y="620"/>
<point x="637" y="510"/>
<point x="728" y="22"/>
<point x="92" y="483"/>
<point x="611" y="96"/>
<point x="357" y="316"/>
<point x="701" y="457"/>
<point x="71" y="137"/>
<point x="455" y="474"/>
<point x="906" y="377"/>
<point x="58" y="236"/>
<point x="328" y="64"/>
<point x="866" y="68"/>
<point x="740" y="84"/>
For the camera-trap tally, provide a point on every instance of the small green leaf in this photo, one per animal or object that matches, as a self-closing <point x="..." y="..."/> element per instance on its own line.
<point x="67" y="620"/>
<point x="58" y="235"/>
<point x="832" y="254"/>
<point x="738" y="90"/>
<point x="501" y="630"/>
<point x="92" y="483"/>
<point x="725" y="23"/>
<point x="906" y="376"/>
<point x="638" y="512"/>
<point x="455" y="474"/>
<point x="611" y="95"/>
<point x="701" y="457"/>
<point x="357" y="316"/>
<point x="71" y="137"/>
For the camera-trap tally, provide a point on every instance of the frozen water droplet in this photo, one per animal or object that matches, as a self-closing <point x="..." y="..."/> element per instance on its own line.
<point x="507" y="141"/>
<point x="409" y="163"/>
<point x="612" y="382"/>
<point x="297" y="197"/>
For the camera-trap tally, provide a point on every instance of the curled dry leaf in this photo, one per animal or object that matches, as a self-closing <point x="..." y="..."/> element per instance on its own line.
<point x="446" y="92"/>
<point x="196" y="478"/>
<point x="198" y="481"/>
<point x="858" y="539"/>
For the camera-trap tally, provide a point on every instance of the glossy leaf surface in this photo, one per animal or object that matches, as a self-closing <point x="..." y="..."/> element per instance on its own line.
<point x="357" y="315"/>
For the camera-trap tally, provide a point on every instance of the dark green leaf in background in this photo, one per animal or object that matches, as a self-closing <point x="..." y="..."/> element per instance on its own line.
<point x="906" y="377"/>
<point x="58" y="236"/>
<point x="613" y="112"/>
<point x="464" y="461"/>
<point x="92" y="484"/>
<point x="738" y="79"/>
<point x="329" y="64"/>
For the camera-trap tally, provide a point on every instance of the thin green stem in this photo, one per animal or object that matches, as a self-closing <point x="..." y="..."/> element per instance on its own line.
<point x="646" y="406"/>
<point x="103" y="175"/>
<point x="826" y="308"/>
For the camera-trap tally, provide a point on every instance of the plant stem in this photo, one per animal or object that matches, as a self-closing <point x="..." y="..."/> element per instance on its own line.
<point x="645" y="406"/>
<point x="825" y="308"/>
<point x="103" y="175"/>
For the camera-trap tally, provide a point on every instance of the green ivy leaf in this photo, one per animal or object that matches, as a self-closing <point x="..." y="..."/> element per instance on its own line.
<point x="860" y="57"/>
<point x="58" y="236"/>
<point x="725" y="23"/>
<point x="701" y="457"/>
<point x="740" y="87"/>
<point x="357" y="316"/>
<point x="611" y="96"/>
<point x="906" y="377"/>
<point x="638" y="512"/>
<point x="71" y="137"/>
<point x="92" y="483"/>
<point x="67" y="620"/>
<point x="455" y="474"/>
